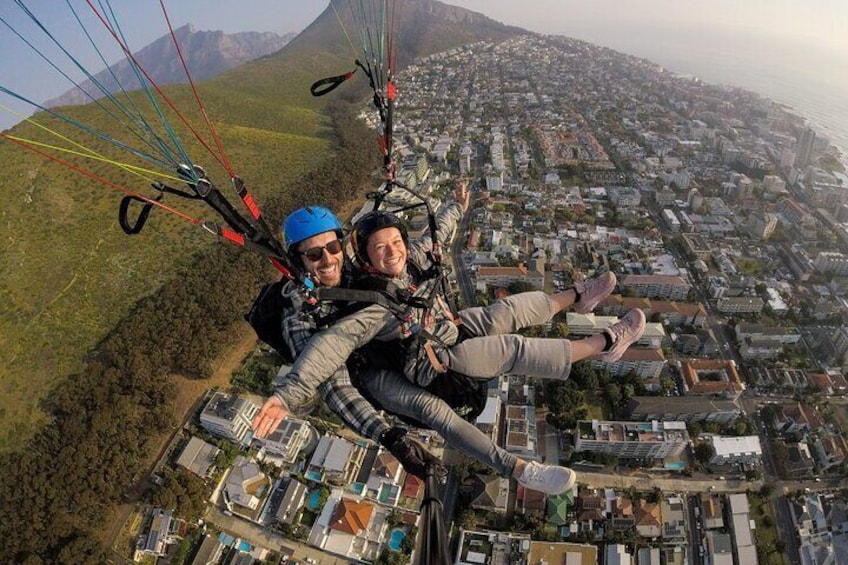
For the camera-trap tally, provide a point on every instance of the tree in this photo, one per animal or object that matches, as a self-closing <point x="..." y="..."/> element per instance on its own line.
<point x="703" y="452"/>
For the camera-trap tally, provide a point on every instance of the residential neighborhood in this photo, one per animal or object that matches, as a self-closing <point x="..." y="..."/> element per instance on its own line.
<point x="718" y="438"/>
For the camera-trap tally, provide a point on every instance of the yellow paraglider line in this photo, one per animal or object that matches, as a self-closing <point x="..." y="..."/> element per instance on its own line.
<point x="89" y="153"/>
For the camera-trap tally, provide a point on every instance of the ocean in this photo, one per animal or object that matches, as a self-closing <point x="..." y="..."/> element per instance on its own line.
<point x="806" y="75"/>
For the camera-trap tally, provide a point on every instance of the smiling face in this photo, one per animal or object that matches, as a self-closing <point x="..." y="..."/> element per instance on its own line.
<point x="328" y="269"/>
<point x="387" y="251"/>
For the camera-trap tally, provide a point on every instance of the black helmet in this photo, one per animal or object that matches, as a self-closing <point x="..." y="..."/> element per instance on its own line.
<point x="368" y="224"/>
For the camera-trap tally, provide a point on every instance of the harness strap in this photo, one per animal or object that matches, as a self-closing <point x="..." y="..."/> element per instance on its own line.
<point x="434" y="359"/>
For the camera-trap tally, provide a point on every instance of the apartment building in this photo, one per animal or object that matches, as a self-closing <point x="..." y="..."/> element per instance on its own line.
<point x="643" y="440"/>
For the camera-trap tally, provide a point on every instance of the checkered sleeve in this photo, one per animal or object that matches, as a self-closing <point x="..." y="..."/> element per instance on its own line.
<point x="337" y="392"/>
<point x="357" y="413"/>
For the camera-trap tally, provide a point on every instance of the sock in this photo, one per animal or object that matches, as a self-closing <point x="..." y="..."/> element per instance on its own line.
<point x="608" y="338"/>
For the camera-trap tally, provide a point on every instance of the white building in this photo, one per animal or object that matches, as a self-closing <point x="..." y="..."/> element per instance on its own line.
<point x="289" y="439"/>
<point x="229" y="416"/>
<point x="645" y="440"/>
<point x="729" y="449"/>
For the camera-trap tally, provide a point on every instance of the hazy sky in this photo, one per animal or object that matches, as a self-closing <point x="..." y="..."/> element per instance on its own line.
<point x="813" y="25"/>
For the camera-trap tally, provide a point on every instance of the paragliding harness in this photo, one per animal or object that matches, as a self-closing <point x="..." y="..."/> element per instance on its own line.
<point x="465" y="395"/>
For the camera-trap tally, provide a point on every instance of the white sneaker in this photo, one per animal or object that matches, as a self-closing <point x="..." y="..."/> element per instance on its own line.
<point x="624" y="333"/>
<point x="593" y="291"/>
<point x="548" y="479"/>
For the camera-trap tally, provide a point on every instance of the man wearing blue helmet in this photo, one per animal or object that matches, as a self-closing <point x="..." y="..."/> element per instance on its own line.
<point x="488" y="348"/>
<point x="313" y="238"/>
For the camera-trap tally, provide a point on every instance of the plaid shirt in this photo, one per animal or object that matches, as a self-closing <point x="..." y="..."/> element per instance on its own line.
<point x="337" y="392"/>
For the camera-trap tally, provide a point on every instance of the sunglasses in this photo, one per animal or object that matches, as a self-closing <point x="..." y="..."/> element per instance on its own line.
<point x="315" y="254"/>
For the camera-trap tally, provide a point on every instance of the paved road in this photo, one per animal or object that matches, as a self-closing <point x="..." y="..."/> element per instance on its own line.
<point x="645" y="482"/>
<point x="269" y="540"/>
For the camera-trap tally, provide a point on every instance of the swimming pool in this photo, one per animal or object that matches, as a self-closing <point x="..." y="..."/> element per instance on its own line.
<point x="395" y="538"/>
<point x="312" y="501"/>
<point x="313" y="476"/>
<point x="245" y="547"/>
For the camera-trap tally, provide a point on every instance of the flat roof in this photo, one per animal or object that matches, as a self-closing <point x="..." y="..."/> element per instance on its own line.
<point x="726" y="446"/>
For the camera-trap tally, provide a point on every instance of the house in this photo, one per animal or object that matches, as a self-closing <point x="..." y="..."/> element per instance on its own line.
<point x="229" y="416"/>
<point x="294" y="495"/>
<point x="478" y="547"/>
<point x="719" y="548"/>
<point x="797" y="417"/>
<point x="543" y="552"/>
<point x="488" y="492"/>
<point x="622" y="514"/>
<point x="590" y="511"/>
<point x="616" y="554"/>
<point x="384" y="481"/>
<point x="413" y="487"/>
<point x="648" y="519"/>
<point x="798" y="461"/>
<point x="160" y="531"/>
<point x="197" y="457"/>
<point x="673" y="520"/>
<point x="713" y="516"/>
<point x="245" y="488"/>
<point x="336" y="461"/>
<point x="529" y="500"/>
<point x="209" y="552"/>
<point x="830" y="451"/>
<point x="557" y="508"/>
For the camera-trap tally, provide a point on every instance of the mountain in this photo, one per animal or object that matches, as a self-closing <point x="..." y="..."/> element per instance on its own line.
<point x="207" y="54"/>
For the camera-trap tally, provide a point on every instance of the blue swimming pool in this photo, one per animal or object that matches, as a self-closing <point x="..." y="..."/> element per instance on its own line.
<point x="312" y="501"/>
<point x="395" y="538"/>
<point x="313" y="476"/>
<point x="245" y="547"/>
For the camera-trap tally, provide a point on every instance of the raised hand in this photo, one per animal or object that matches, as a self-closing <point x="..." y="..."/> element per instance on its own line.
<point x="269" y="417"/>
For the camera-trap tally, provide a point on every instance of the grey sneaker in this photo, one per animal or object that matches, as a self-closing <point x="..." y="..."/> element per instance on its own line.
<point x="593" y="291"/>
<point x="624" y="333"/>
<point x="548" y="479"/>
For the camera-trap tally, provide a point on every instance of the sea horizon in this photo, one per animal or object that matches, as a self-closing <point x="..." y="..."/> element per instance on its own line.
<point x="805" y="76"/>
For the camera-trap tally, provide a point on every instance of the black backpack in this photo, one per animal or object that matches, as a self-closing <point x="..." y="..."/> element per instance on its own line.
<point x="266" y="318"/>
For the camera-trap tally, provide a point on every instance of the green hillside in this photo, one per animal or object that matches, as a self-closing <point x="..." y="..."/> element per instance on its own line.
<point x="68" y="274"/>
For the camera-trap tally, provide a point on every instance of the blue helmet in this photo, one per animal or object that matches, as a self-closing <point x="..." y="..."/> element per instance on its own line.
<point x="307" y="222"/>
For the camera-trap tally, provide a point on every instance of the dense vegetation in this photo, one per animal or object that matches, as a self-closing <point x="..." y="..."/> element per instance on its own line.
<point x="55" y="494"/>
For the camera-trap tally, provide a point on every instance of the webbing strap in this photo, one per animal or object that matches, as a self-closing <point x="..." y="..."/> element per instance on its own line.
<point x="123" y="210"/>
<point x="329" y="84"/>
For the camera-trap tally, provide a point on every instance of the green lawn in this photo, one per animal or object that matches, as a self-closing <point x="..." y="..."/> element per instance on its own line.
<point x="765" y="537"/>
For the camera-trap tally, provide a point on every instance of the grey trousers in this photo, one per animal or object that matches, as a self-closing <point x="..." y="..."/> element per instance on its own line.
<point x="499" y="356"/>
<point x="495" y="350"/>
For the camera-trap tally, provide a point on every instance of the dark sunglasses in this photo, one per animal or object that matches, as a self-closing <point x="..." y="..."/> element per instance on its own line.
<point x="315" y="254"/>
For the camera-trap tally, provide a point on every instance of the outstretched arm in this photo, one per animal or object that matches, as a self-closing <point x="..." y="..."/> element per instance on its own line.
<point x="327" y="352"/>
<point x="446" y="221"/>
